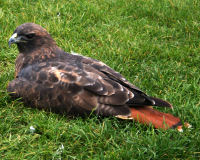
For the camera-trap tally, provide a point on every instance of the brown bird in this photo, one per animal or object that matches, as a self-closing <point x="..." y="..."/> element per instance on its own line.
<point x="46" y="77"/>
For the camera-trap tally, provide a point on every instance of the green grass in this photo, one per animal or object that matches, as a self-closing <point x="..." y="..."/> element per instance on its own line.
<point x="154" y="43"/>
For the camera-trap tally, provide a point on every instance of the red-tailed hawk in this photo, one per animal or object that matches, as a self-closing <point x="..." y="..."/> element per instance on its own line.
<point x="47" y="77"/>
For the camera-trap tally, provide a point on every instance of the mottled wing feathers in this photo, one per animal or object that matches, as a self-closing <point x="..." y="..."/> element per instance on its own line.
<point x="136" y="96"/>
<point x="58" y="83"/>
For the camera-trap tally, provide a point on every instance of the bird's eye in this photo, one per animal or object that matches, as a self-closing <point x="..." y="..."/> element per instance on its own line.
<point x="31" y="35"/>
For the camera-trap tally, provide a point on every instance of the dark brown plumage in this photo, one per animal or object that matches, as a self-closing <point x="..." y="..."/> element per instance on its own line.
<point x="47" y="77"/>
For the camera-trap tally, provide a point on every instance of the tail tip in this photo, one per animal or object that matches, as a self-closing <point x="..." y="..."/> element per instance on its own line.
<point x="186" y="125"/>
<point x="180" y="129"/>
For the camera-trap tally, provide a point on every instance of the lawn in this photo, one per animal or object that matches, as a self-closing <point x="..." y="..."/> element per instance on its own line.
<point x="155" y="44"/>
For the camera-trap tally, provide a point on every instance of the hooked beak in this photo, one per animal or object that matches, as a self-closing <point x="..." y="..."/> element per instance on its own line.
<point x="13" y="39"/>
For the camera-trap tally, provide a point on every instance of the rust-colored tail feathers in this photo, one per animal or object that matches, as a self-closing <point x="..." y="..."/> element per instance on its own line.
<point x="148" y="115"/>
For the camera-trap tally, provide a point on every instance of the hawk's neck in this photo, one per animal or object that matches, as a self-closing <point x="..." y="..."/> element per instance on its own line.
<point x="39" y="55"/>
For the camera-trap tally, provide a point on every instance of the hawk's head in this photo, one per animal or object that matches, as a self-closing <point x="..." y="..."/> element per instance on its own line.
<point x="29" y="36"/>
